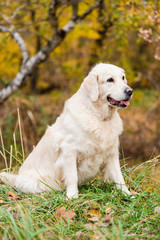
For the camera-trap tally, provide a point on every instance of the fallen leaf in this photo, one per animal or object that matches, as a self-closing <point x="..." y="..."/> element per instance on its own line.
<point x="94" y="219"/>
<point x="94" y="212"/>
<point x="62" y="213"/>
<point x="94" y="205"/>
<point x="13" y="196"/>
<point x="70" y="214"/>
<point x="108" y="210"/>
<point x="107" y="218"/>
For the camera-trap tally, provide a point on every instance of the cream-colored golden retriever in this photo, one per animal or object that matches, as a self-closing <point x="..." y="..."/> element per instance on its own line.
<point x="83" y="141"/>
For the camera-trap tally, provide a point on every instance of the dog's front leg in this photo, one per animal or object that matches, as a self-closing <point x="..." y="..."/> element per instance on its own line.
<point x="112" y="172"/>
<point x="68" y="164"/>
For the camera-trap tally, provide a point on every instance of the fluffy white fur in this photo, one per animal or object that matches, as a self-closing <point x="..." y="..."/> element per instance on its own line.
<point x="83" y="141"/>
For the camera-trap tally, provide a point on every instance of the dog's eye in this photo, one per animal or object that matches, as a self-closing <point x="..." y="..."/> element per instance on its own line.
<point x="110" y="80"/>
<point x="123" y="77"/>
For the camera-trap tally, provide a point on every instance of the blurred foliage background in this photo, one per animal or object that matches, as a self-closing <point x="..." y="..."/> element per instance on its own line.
<point x="121" y="32"/>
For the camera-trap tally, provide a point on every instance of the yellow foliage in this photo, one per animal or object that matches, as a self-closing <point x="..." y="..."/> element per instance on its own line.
<point x="72" y="57"/>
<point x="9" y="57"/>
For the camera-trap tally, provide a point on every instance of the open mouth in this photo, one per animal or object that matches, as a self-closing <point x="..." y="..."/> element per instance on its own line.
<point x="121" y="104"/>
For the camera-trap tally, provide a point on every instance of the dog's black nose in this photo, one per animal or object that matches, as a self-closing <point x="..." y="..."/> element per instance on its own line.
<point x="128" y="91"/>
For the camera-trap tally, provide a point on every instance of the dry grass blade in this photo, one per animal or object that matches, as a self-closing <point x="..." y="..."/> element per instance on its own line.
<point x="21" y="137"/>
<point x="15" y="143"/>
<point x="3" y="149"/>
<point x="10" y="160"/>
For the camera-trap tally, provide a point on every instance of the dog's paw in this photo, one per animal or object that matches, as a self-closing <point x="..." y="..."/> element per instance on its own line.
<point x="72" y="192"/>
<point x="71" y="195"/>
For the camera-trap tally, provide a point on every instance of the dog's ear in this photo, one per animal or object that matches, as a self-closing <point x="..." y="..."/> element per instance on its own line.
<point x="90" y="86"/>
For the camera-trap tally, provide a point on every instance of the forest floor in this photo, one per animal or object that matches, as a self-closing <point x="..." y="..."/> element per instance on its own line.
<point x="100" y="212"/>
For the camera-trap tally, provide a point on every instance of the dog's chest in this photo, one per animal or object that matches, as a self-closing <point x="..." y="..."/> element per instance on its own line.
<point x="88" y="167"/>
<point x="100" y="138"/>
<point x="93" y="151"/>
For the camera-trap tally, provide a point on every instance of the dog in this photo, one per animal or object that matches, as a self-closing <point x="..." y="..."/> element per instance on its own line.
<point x="84" y="140"/>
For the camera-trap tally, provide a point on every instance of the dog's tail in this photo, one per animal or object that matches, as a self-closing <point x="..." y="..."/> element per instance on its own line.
<point x="8" y="178"/>
<point x="23" y="182"/>
<point x="27" y="183"/>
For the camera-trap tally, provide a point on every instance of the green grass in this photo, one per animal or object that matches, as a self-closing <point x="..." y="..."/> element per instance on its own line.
<point x="34" y="217"/>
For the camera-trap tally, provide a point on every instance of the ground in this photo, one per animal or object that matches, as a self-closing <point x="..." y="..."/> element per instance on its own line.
<point x="100" y="212"/>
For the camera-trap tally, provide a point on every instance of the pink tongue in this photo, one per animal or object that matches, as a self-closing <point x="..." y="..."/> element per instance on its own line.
<point x="125" y="102"/>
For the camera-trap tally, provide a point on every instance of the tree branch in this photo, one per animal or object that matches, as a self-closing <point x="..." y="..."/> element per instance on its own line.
<point x="16" y="11"/>
<point x="89" y="10"/>
<point x="52" y="15"/>
<point x="58" y="36"/>
<point x="72" y="22"/>
<point x="19" y="41"/>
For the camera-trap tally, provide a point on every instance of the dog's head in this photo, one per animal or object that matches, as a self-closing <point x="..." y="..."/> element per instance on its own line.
<point x="108" y="83"/>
